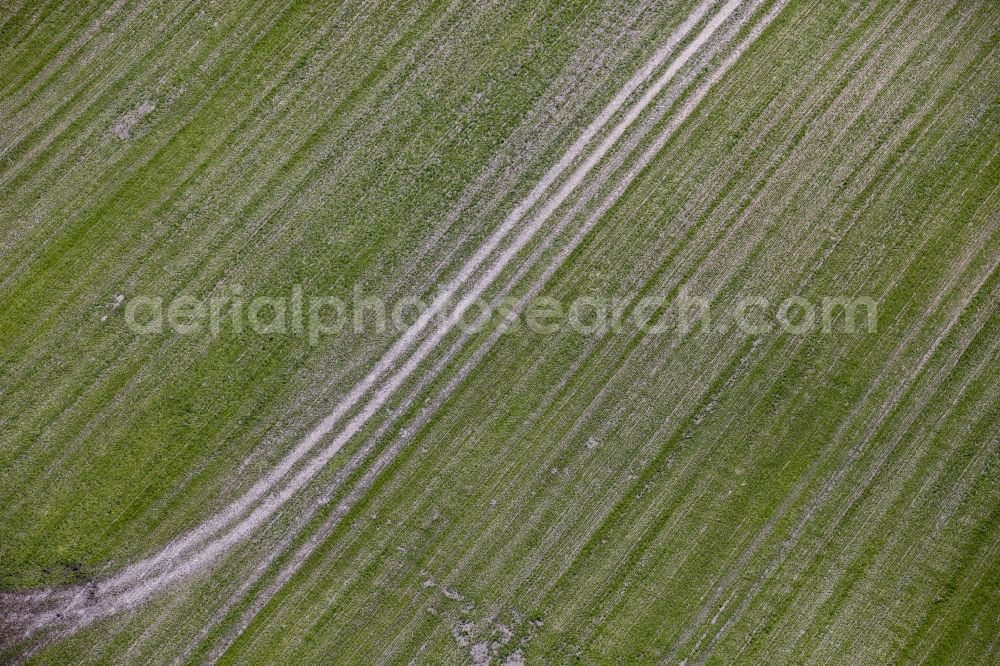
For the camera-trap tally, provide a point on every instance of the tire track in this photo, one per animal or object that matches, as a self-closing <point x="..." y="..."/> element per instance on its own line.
<point x="83" y="606"/>
<point x="386" y="458"/>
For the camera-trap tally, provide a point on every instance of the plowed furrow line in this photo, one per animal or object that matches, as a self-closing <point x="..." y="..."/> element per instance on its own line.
<point x="272" y="502"/>
<point x="386" y="458"/>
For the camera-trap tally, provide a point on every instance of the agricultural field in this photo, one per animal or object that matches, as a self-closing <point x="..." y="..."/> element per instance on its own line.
<point x="454" y="332"/>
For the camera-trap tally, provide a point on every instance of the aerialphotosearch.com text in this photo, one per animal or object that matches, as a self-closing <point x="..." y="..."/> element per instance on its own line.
<point x="314" y="317"/>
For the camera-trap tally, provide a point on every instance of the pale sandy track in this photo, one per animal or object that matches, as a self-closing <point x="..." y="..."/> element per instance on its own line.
<point x="343" y="609"/>
<point x="134" y="350"/>
<point x="683" y="113"/>
<point x="457" y="484"/>
<point x="386" y="458"/>
<point x="80" y="607"/>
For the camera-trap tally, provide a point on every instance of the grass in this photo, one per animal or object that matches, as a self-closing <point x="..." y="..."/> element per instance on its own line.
<point x="608" y="499"/>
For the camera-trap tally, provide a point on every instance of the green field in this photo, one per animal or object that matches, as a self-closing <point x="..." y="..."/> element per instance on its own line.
<point x="503" y="495"/>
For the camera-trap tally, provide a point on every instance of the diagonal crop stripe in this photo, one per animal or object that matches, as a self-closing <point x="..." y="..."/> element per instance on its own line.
<point x="800" y="475"/>
<point x="200" y="547"/>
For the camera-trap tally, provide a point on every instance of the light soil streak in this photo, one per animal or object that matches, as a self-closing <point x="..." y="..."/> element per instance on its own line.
<point x="78" y="607"/>
<point x="796" y="492"/>
<point x="386" y="458"/>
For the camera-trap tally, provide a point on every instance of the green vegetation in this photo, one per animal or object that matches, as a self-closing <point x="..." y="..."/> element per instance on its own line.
<point x="611" y="498"/>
